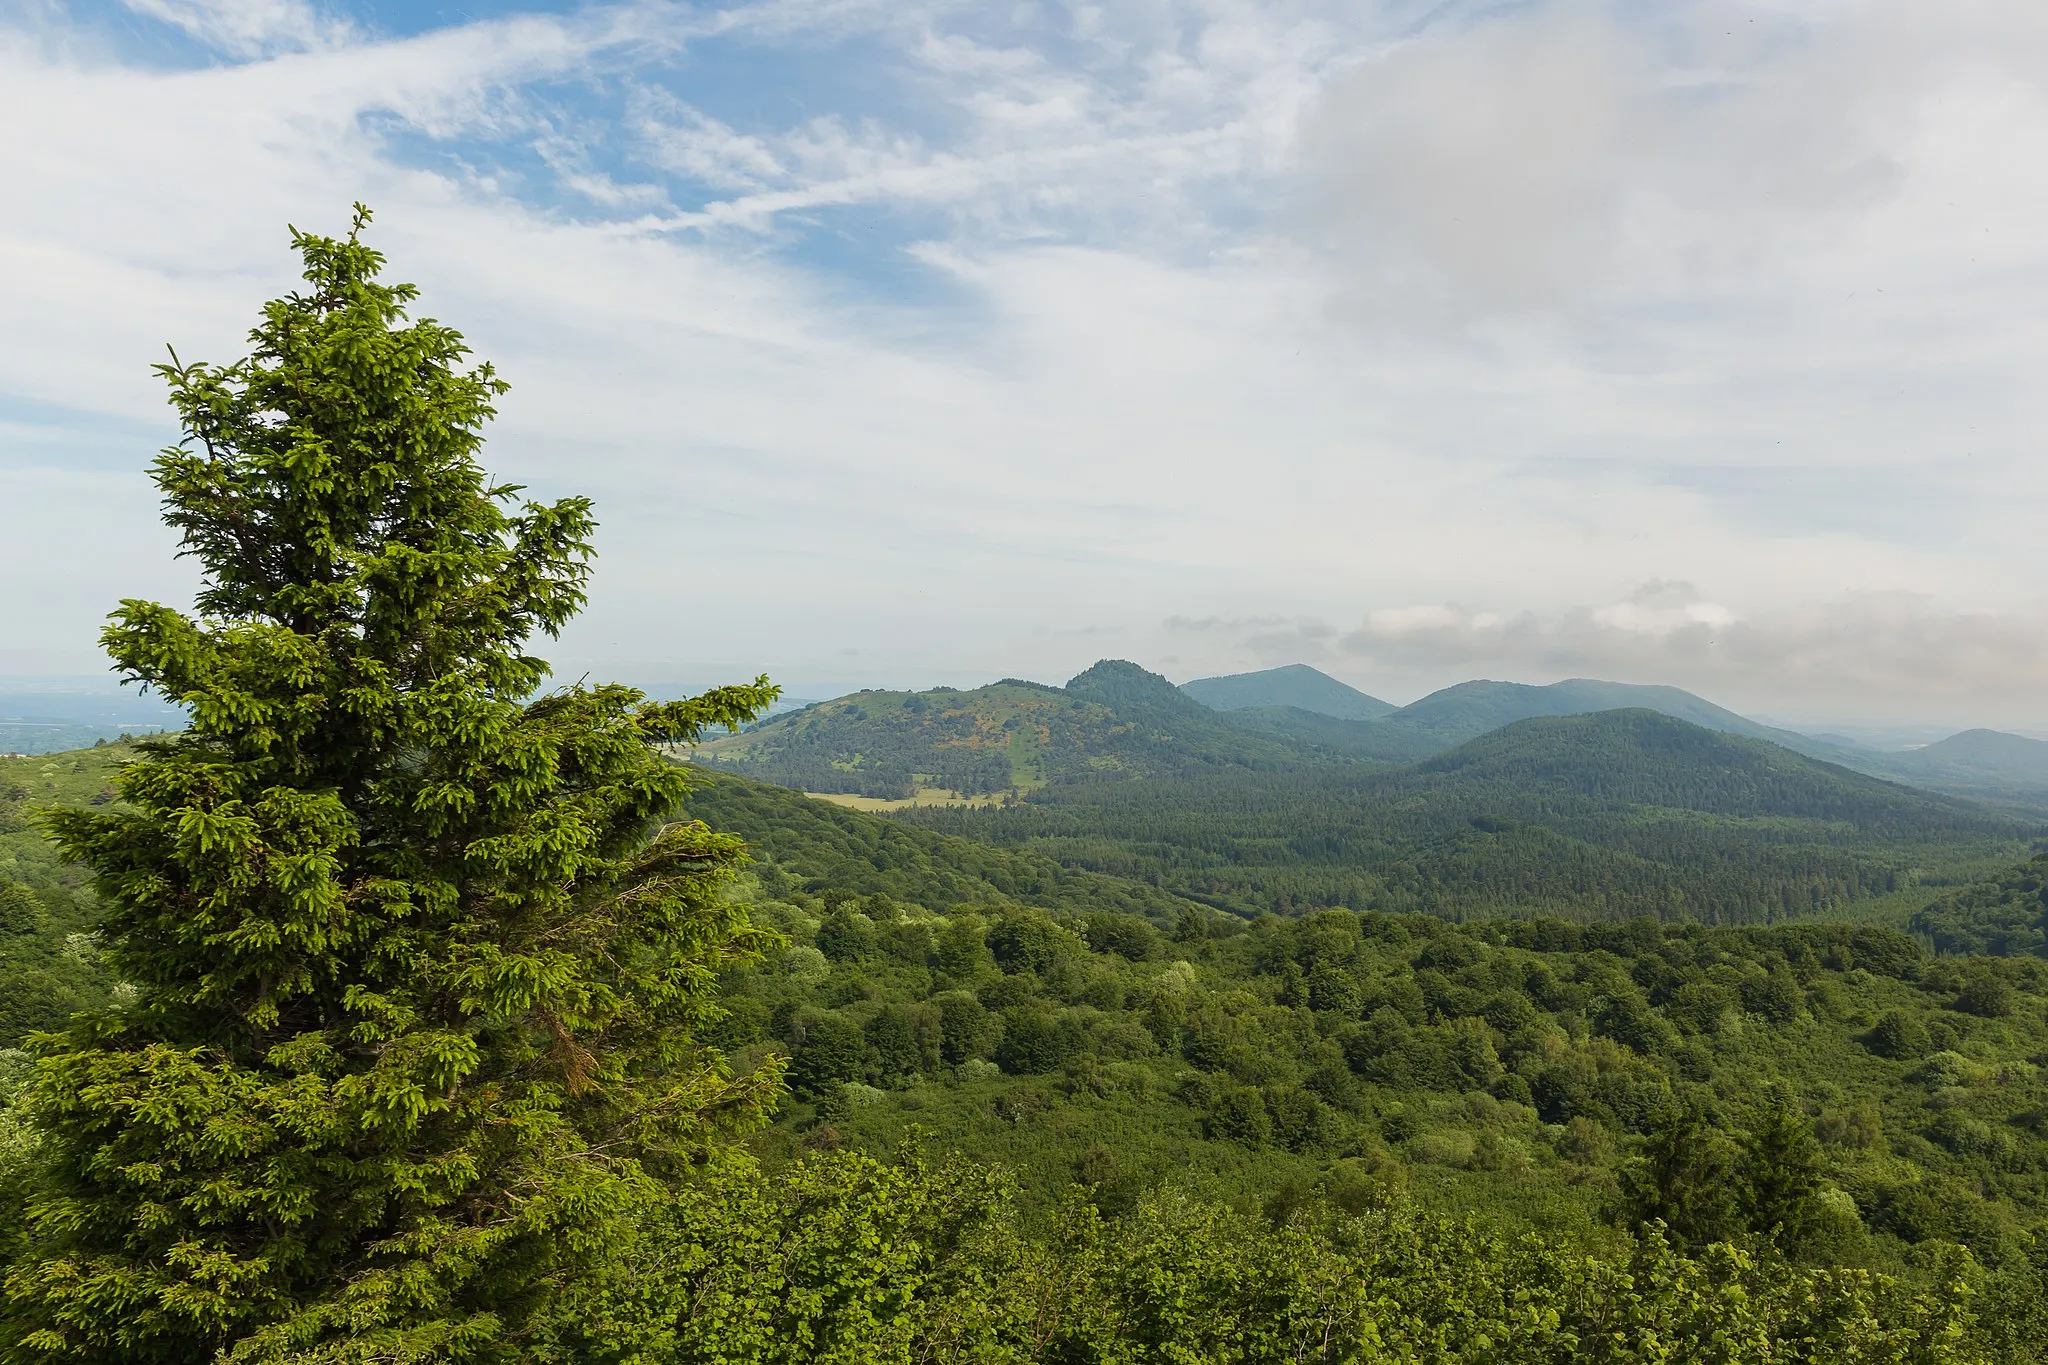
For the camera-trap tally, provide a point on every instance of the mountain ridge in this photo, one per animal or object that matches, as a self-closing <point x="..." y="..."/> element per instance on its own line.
<point x="1292" y="685"/>
<point x="1118" y="721"/>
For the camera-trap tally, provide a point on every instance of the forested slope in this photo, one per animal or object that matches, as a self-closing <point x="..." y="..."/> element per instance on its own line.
<point x="1523" y="1071"/>
<point x="1115" y="721"/>
<point x="1608" y="815"/>
<point x="2003" y="916"/>
<point x="800" y="843"/>
<point x="49" y="961"/>
<point x="1468" y="710"/>
<point x="1294" y="685"/>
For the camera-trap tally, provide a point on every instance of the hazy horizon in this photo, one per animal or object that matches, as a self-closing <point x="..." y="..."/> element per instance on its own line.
<point x="1879" y="732"/>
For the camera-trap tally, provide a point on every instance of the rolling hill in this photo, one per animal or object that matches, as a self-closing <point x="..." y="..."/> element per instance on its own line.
<point x="1989" y="765"/>
<point x="1612" y="814"/>
<point x="1980" y="765"/>
<point x="2003" y="916"/>
<point x="1296" y="685"/>
<point x="1991" y="752"/>
<point x="802" y="844"/>
<point x="1335" y="740"/>
<point x="1647" y="758"/>
<point x="1470" y="709"/>
<point x="1117" y="721"/>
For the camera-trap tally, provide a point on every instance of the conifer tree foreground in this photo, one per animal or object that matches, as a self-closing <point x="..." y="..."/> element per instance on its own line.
<point x="417" y="964"/>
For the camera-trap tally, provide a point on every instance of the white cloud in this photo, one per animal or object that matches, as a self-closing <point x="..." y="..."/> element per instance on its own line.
<point x="1577" y="157"/>
<point x="1874" y="653"/>
<point x="1867" y="655"/>
<point x="1268" y="315"/>
<point x="248" y="28"/>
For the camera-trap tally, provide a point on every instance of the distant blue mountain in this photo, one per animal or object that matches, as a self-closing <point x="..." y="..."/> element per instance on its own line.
<point x="1296" y="685"/>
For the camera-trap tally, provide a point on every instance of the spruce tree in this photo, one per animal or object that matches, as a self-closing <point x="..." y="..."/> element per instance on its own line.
<point x="1686" y="1176"/>
<point x="418" y="962"/>
<point x="1781" y="1170"/>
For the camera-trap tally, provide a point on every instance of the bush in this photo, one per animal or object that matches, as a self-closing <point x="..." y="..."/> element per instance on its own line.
<point x="1897" y="1035"/>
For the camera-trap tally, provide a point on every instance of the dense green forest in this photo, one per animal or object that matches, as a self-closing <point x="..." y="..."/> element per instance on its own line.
<point x="1299" y="1048"/>
<point x="1282" y="1097"/>
<point x="2006" y="916"/>
<point x="1612" y="815"/>
<point x="1520" y="1070"/>
<point x="49" y="958"/>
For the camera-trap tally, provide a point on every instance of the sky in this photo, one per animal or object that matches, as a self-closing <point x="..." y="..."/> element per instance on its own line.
<point x="908" y="343"/>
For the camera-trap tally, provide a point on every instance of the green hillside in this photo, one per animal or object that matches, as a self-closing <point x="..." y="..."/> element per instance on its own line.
<point x="49" y="962"/>
<point x="1296" y="685"/>
<point x="2002" y="916"/>
<point x="1335" y="740"/>
<point x="1610" y="815"/>
<point x="1117" y="721"/>
<point x="1647" y="758"/>
<point x="1989" y="765"/>
<point x="801" y="844"/>
<point x="1515" y="1070"/>
<point x="1982" y="765"/>
<point x="1992" y="752"/>
<point x="1113" y="721"/>
<point x="1471" y="709"/>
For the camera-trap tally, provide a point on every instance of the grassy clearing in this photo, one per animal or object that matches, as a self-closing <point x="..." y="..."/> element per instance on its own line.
<point x="926" y="796"/>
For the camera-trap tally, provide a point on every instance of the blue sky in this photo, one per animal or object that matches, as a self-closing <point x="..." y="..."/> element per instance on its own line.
<point x="920" y="342"/>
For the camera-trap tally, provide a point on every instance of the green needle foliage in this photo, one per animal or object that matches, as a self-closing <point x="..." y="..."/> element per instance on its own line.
<point x="418" y="968"/>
